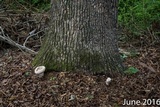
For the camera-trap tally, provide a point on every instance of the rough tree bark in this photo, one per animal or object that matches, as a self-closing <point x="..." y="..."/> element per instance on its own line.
<point x="82" y="36"/>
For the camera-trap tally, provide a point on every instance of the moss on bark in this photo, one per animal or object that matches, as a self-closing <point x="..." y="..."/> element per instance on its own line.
<point x="81" y="36"/>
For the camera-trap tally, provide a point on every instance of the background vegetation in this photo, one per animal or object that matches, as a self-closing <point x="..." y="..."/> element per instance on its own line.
<point x="139" y="21"/>
<point x="34" y="5"/>
<point x="136" y="17"/>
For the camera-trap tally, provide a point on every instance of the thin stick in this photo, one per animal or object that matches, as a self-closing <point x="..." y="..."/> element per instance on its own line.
<point x="8" y="40"/>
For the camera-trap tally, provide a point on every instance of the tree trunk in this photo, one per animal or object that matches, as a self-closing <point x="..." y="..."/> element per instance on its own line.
<point x="82" y="36"/>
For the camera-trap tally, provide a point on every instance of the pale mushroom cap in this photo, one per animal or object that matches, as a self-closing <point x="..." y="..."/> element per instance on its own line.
<point x="108" y="79"/>
<point x="39" y="69"/>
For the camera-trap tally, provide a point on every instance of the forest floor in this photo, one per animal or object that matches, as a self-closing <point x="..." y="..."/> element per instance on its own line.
<point x="20" y="87"/>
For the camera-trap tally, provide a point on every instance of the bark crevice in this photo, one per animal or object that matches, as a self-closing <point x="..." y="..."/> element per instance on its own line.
<point x="82" y="36"/>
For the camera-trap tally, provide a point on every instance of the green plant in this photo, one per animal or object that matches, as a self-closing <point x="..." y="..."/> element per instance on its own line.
<point x="90" y="96"/>
<point x="52" y="78"/>
<point x="138" y="15"/>
<point x="27" y="73"/>
<point x="34" y="5"/>
<point x="129" y="53"/>
<point x="123" y="56"/>
<point x="41" y="4"/>
<point x="131" y="70"/>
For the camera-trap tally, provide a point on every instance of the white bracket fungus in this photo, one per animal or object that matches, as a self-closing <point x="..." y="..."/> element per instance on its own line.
<point x="39" y="71"/>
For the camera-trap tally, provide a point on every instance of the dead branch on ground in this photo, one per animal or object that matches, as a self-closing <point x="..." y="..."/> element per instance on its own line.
<point x="8" y="40"/>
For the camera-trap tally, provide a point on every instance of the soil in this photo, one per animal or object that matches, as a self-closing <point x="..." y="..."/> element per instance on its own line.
<point x="20" y="87"/>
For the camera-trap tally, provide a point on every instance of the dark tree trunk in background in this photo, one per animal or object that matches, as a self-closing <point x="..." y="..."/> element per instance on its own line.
<point x="82" y="36"/>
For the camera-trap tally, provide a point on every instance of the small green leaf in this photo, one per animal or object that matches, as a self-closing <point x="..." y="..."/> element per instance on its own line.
<point x="124" y="56"/>
<point x="27" y="73"/>
<point x="131" y="70"/>
<point x="90" y="96"/>
<point x="52" y="78"/>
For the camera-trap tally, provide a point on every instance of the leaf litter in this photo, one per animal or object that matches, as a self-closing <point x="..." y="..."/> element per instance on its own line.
<point x="20" y="87"/>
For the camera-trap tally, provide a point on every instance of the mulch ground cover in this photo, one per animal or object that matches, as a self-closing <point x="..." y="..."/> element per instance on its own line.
<point x="20" y="87"/>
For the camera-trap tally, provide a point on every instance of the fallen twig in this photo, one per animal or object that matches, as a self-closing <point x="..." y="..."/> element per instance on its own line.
<point x="8" y="40"/>
<point x="146" y="66"/>
<point x="31" y="34"/>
